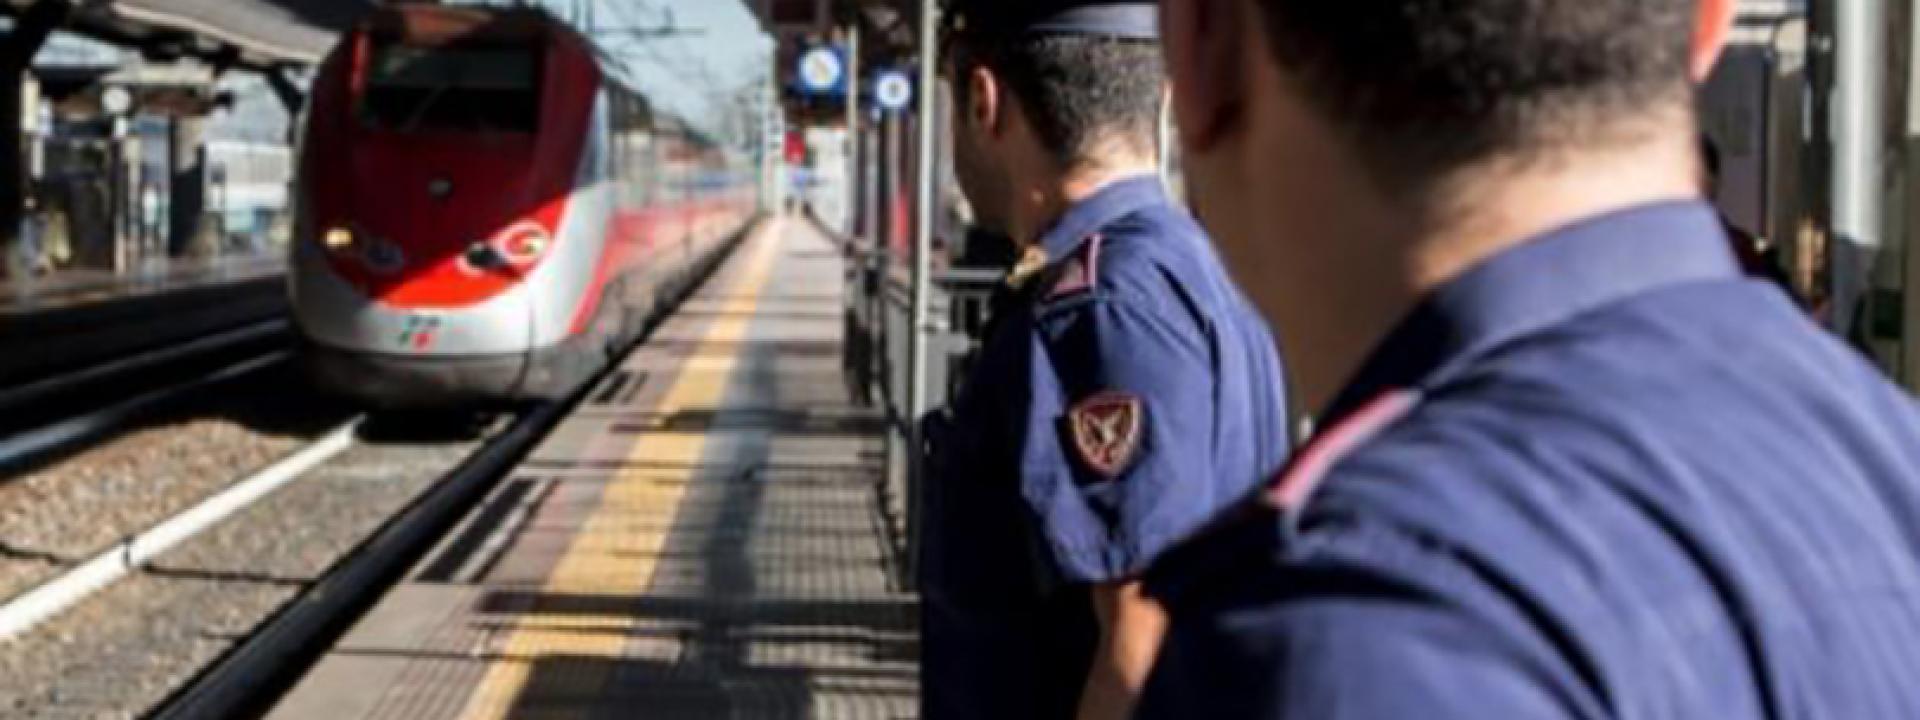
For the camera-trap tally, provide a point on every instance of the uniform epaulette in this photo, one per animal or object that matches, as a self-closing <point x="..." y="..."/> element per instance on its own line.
<point x="1079" y="273"/>
<point x="1295" y="485"/>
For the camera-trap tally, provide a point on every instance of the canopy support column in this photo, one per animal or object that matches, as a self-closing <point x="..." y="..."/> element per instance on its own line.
<point x="17" y="50"/>
<point x="187" y="186"/>
<point x="927" y="148"/>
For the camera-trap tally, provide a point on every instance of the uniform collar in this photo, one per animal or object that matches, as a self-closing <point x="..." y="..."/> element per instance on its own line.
<point x="1105" y="205"/>
<point x="1539" y="284"/>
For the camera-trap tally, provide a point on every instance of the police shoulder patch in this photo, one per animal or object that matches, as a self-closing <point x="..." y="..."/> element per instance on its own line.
<point x="1106" y="429"/>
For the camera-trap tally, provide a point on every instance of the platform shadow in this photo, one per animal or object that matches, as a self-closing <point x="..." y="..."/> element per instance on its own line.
<point x="594" y="687"/>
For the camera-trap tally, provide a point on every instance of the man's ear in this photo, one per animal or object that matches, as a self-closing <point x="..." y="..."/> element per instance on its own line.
<point x="1205" y="46"/>
<point x="1713" y="25"/>
<point x="986" y="104"/>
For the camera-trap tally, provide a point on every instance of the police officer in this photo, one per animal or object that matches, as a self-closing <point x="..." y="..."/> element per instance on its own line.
<point x="1124" y="389"/>
<point x="1572" y="463"/>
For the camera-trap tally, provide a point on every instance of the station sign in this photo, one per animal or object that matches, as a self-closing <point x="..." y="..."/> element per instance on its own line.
<point x="892" y="90"/>
<point x="823" y="71"/>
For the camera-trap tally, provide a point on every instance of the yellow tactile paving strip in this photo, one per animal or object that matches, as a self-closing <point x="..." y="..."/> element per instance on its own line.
<point x="613" y="555"/>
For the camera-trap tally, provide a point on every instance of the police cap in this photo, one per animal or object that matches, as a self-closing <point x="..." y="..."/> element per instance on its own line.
<point x="1138" y="20"/>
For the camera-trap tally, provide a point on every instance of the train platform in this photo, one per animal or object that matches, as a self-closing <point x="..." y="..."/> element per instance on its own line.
<point x="702" y="538"/>
<point x="73" y="288"/>
<point x="78" y="318"/>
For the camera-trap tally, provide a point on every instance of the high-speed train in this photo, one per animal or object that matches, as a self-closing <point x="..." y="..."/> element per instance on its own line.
<point x="485" y="214"/>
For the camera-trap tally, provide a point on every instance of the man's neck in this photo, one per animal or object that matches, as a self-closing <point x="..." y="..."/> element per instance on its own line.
<point x="1483" y="214"/>
<point x="1041" y="206"/>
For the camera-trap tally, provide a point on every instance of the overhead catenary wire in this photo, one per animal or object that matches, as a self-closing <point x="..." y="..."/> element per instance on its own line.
<point x="638" y="32"/>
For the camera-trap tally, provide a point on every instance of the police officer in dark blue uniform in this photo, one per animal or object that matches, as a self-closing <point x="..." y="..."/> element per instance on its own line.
<point x="1124" y="390"/>
<point x="1572" y="464"/>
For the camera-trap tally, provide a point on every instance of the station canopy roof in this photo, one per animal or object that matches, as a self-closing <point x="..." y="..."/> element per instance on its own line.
<point x="256" y="33"/>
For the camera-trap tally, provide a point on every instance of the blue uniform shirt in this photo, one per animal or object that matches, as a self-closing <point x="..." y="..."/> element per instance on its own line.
<point x="1121" y="397"/>
<point x="1599" y="476"/>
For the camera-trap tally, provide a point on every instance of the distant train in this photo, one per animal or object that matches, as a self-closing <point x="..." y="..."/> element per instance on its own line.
<point x="484" y="214"/>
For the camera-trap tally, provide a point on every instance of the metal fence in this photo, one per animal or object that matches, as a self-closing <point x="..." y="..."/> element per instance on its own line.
<point x="878" y="332"/>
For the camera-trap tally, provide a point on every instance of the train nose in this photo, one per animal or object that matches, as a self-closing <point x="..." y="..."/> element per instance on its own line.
<point x="336" y="310"/>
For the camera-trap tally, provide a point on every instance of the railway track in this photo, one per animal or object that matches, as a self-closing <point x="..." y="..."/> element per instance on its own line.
<point x="114" y="620"/>
<point x="258" y="670"/>
<point x="59" y="414"/>
<point x="28" y="609"/>
<point x="105" y="594"/>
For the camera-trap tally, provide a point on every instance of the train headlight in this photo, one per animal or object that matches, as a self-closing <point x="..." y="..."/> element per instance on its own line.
<point x="338" y="239"/>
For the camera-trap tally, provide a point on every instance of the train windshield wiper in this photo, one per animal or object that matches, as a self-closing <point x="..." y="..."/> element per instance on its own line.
<point x="426" y="105"/>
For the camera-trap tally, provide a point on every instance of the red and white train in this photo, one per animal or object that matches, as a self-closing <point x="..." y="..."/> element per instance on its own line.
<point x="485" y="214"/>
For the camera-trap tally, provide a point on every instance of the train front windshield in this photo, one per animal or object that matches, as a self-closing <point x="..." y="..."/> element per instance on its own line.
<point x="493" y="89"/>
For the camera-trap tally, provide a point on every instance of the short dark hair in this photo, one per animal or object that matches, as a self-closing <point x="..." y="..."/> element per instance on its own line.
<point x="1425" y="86"/>
<point x="1078" y="91"/>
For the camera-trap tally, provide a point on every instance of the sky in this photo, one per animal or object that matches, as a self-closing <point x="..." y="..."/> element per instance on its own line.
<point x="729" y="46"/>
